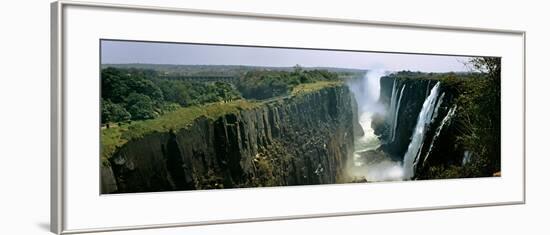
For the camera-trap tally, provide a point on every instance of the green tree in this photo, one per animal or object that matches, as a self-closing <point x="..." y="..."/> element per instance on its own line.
<point x="489" y="65"/>
<point x="479" y="117"/>
<point x="297" y="69"/>
<point x="114" y="85"/>
<point x="117" y="84"/>
<point x="140" y="106"/>
<point x="111" y="112"/>
<point x="175" y="91"/>
<point x="226" y="92"/>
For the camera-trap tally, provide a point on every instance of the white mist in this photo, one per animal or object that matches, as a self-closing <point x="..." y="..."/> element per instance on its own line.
<point x="367" y="93"/>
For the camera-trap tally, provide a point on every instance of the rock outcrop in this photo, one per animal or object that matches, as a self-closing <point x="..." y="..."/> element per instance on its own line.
<point x="299" y="140"/>
<point x="404" y="98"/>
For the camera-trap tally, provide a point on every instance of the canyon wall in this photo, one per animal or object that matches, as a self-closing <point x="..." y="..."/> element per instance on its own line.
<point x="298" y="140"/>
<point x="404" y="99"/>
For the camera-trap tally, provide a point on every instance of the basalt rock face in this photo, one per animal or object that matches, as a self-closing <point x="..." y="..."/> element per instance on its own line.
<point x="301" y="140"/>
<point x="404" y="99"/>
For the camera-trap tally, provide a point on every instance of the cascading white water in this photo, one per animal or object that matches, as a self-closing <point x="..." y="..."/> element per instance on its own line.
<point x="445" y="120"/>
<point x="417" y="140"/>
<point x="369" y="140"/>
<point x="366" y="92"/>
<point x="396" y="115"/>
<point x="467" y="157"/>
<point x="393" y="105"/>
<point x="439" y="102"/>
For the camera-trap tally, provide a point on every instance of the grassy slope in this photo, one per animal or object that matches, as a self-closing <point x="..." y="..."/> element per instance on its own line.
<point x="116" y="136"/>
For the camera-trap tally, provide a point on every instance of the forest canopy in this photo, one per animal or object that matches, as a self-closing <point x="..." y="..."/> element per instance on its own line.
<point x="138" y="94"/>
<point x="134" y="94"/>
<point x="264" y="84"/>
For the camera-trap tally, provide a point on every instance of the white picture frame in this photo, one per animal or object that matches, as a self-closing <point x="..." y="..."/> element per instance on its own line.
<point x="77" y="28"/>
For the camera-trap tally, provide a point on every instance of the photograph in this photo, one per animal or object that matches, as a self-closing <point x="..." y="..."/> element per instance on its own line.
<point x="190" y="116"/>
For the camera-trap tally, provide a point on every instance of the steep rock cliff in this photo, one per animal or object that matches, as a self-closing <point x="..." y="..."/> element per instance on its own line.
<point x="299" y="140"/>
<point x="404" y="98"/>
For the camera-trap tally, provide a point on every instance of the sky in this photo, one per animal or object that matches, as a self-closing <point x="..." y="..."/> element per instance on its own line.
<point x="124" y="52"/>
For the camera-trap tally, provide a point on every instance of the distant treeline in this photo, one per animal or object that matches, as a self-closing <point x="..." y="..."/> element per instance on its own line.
<point x="268" y="84"/>
<point x="221" y="70"/>
<point x="414" y="75"/>
<point x="138" y="94"/>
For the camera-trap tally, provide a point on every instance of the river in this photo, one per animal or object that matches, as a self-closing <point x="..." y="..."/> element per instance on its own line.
<point x="370" y="163"/>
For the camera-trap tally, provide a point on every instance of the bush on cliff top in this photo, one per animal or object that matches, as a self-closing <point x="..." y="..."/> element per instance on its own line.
<point x="119" y="134"/>
<point x="176" y="104"/>
<point x="477" y="128"/>
<point x="266" y="84"/>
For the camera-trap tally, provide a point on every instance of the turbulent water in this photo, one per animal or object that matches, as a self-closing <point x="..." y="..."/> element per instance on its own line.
<point x="429" y="107"/>
<point x="368" y="163"/>
<point x="367" y="93"/>
<point x="369" y="141"/>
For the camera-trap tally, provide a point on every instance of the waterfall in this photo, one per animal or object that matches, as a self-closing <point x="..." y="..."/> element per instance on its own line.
<point x="467" y="157"/>
<point x="417" y="138"/>
<point x="391" y="111"/>
<point x="396" y="114"/>
<point x="367" y="93"/>
<point x="445" y="120"/>
<point x="368" y="162"/>
<point x="439" y="102"/>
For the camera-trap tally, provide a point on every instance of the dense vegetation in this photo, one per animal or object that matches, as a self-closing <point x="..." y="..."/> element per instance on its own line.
<point x="116" y="136"/>
<point x="142" y="101"/>
<point x="137" y="94"/>
<point x="470" y="146"/>
<point x="481" y="132"/>
<point x="140" y="94"/>
<point x="477" y="121"/>
<point x="264" y="84"/>
<point x="223" y="70"/>
<point x="451" y="76"/>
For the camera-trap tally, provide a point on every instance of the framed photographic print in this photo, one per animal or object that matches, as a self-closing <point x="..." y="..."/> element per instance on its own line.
<point x="165" y="117"/>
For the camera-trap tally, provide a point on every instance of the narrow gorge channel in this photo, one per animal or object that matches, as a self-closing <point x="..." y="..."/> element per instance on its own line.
<point x="369" y="162"/>
<point x="292" y="116"/>
<point x="402" y="120"/>
<point x="374" y="128"/>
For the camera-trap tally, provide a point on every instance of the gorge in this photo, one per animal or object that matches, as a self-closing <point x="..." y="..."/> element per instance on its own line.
<point x="423" y="129"/>
<point x="398" y="125"/>
<point x="380" y="126"/>
<point x="298" y="140"/>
